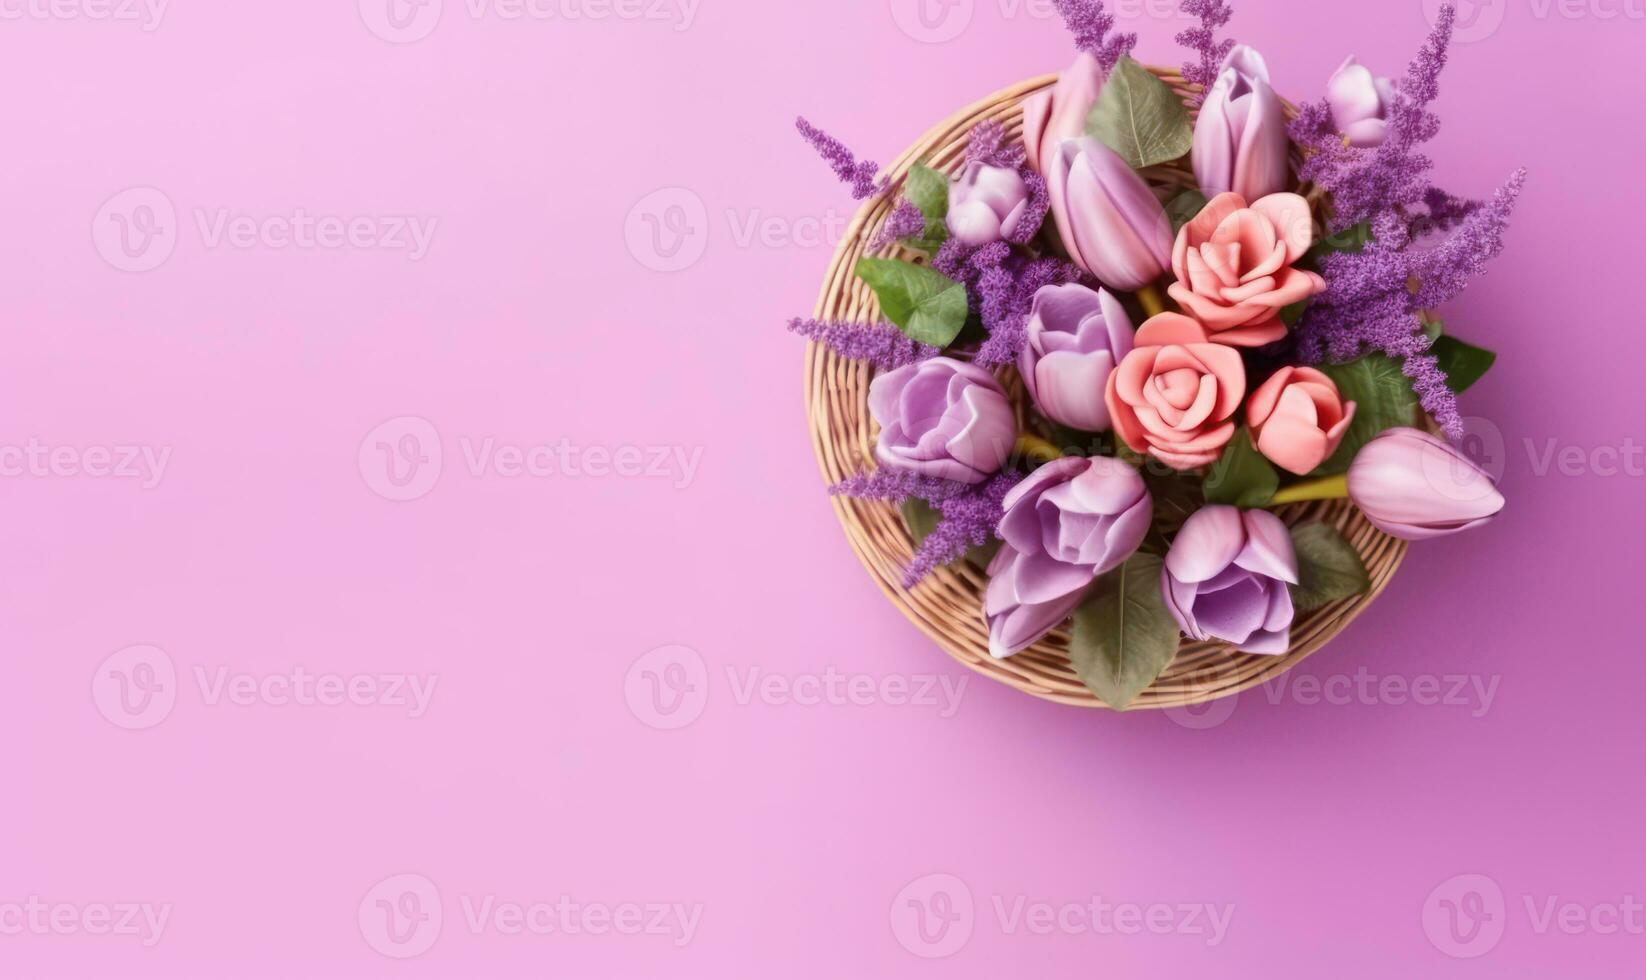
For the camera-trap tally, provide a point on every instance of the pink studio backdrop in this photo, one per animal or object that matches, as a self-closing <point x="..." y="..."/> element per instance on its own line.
<point x="414" y="562"/>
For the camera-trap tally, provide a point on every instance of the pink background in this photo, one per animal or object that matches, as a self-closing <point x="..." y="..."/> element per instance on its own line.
<point x="1334" y="834"/>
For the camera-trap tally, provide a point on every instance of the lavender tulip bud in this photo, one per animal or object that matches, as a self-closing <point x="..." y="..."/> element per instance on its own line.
<point x="944" y="418"/>
<point x="1415" y="486"/>
<point x="1227" y="576"/>
<point x="1076" y="336"/>
<point x="1067" y="523"/>
<point x="1059" y="113"/>
<point x="986" y="203"/>
<point x="1111" y="223"/>
<point x="1240" y="138"/>
<point x="1360" y="103"/>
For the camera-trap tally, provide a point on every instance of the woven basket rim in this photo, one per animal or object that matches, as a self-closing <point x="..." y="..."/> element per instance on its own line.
<point x="947" y="605"/>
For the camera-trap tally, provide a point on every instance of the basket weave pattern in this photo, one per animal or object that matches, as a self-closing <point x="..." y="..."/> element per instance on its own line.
<point x="948" y="604"/>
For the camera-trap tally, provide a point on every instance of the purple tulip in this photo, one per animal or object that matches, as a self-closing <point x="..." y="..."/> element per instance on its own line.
<point x="1227" y="576"/>
<point x="1076" y="336"/>
<point x="986" y="203"/>
<point x="944" y="418"/>
<point x="1360" y="103"/>
<point x="1059" y="113"/>
<point x="1110" y="222"/>
<point x="1415" y="486"/>
<point x="1067" y="523"/>
<point x="1240" y="138"/>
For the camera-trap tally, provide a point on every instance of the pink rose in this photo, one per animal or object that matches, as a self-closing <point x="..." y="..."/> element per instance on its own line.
<point x="1298" y="419"/>
<point x="1175" y="394"/>
<point x="1233" y="264"/>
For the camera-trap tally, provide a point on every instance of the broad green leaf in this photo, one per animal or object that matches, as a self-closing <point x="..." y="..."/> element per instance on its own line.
<point x="928" y="190"/>
<point x="1241" y="476"/>
<point x="1383" y="399"/>
<point x="1123" y="634"/>
<point x="1464" y="364"/>
<point x="926" y="305"/>
<point x="1140" y="118"/>
<point x="921" y="519"/>
<point x="1328" y="567"/>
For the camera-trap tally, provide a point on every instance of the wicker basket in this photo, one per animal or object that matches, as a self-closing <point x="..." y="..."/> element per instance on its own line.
<point x="948" y="604"/>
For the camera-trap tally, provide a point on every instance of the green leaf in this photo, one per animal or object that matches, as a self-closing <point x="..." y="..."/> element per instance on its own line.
<point x="1123" y="634"/>
<point x="928" y="190"/>
<point x="1383" y="399"/>
<point x="1140" y="118"/>
<point x="1241" y="476"/>
<point x="1464" y="364"/>
<point x="928" y="306"/>
<point x="1432" y="329"/>
<point x="921" y="519"/>
<point x="1328" y="567"/>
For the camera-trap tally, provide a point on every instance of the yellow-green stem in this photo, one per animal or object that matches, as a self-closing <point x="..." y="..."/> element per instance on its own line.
<point x="1153" y="302"/>
<point x="1034" y="447"/>
<point x="1325" y="488"/>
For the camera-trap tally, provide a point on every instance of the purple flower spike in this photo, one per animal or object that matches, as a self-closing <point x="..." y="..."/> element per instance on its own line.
<point x="861" y="175"/>
<point x="1090" y="24"/>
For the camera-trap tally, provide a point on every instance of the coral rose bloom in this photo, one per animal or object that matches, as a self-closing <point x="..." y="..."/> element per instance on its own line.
<point x="1175" y="394"/>
<point x="1233" y="264"/>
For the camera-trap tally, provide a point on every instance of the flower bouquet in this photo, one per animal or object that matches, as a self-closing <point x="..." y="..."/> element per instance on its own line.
<point x="1134" y="371"/>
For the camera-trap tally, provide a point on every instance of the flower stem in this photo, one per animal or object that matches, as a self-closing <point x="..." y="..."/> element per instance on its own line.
<point x="1153" y="303"/>
<point x="1034" y="447"/>
<point x="1325" y="488"/>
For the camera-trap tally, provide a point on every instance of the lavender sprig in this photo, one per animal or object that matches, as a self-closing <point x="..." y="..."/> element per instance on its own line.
<point x="1203" y="41"/>
<point x="895" y="485"/>
<point x="860" y="175"/>
<point x="966" y="520"/>
<point x="905" y="221"/>
<point x="879" y="344"/>
<point x="1090" y="24"/>
<point x="987" y="144"/>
